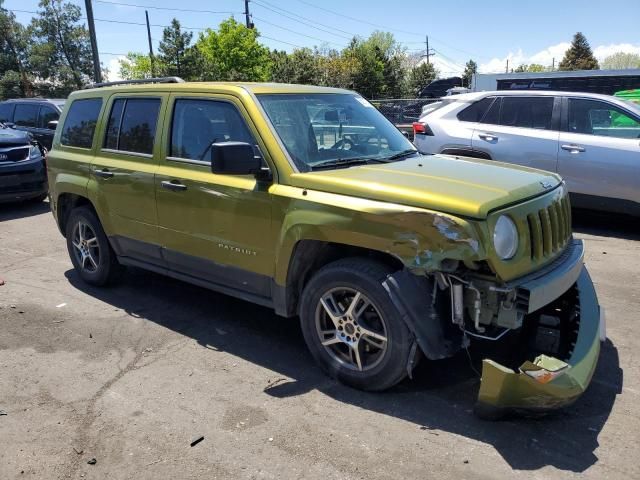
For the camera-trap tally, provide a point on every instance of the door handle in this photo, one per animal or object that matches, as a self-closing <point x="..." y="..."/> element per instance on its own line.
<point x="573" y="148"/>
<point x="104" y="173"/>
<point x="173" y="185"/>
<point x="489" y="137"/>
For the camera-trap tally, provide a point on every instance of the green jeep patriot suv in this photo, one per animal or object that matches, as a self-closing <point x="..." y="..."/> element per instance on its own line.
<point x="308" y="201"/>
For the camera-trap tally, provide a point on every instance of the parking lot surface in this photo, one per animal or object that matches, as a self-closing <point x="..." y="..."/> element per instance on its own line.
<point x="133" y="374"/>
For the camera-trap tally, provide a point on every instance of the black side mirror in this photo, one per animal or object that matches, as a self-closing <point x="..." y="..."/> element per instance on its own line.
<point x="52" y="125"/>
<point x="234" y="158"/>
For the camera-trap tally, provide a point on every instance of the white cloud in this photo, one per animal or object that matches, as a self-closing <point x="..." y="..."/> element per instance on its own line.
<point x="603" y="51"/>
<point x="114" y="68"/>
<point x="545" y="57"/>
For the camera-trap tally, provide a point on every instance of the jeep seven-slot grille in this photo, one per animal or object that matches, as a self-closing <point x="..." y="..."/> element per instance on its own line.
<point x="550" y="228"/>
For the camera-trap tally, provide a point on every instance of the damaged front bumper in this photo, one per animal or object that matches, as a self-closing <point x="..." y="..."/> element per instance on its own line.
<point x="548" y="383"/>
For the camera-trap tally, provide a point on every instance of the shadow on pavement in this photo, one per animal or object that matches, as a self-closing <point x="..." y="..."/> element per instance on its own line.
<point x="28" y="208"/>
<point x="605" y="224"/>
<point x="440" y="397"/>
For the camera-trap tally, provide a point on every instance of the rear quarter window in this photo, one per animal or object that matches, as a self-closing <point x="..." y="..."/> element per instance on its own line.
<point x="475" y="111"/>
<point x="6" y="112"/>
<point x="80" y="123"/>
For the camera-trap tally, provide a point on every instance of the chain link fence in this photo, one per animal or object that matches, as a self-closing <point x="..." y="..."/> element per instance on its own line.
<point x="402" y="112"/>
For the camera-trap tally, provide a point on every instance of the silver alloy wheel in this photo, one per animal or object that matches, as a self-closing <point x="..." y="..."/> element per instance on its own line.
<point x="86" y="246"/>
<point x="351" y="328"/>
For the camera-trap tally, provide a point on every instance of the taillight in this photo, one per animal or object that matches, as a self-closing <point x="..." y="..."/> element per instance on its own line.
<point x="420" y="128"/>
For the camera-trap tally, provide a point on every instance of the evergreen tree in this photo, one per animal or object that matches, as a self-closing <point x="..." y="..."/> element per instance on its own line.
<point x="579" y="56"/>
<point x="177" y="57"/>
<point x="470" y="68"/>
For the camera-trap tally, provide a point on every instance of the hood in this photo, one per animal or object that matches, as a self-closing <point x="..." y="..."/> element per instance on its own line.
<point x="10" y="137"/>
<point x="461" y="186"/>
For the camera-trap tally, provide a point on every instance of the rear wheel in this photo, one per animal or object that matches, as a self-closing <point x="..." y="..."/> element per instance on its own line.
<point x="352" y="328"/>
<point x="91" y="254"/>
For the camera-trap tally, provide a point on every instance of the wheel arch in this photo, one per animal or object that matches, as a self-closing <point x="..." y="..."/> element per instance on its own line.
<point x="310" y="255"/>
<point x="65" y="204"/>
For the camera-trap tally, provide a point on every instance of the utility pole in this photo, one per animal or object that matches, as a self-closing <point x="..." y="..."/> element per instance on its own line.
<point x="153" y="61"/>
<point x="553" y="64"/>
<point x="247" y="14"/>
<point x="506" y="70"/>
<point x="97" y="73"/>
<point x="428" y="52"/>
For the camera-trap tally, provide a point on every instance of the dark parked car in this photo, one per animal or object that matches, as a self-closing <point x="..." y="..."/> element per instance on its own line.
<point x="23" y="174"/>
<point x="438" y="88"/>
<point x="38" y="116"/>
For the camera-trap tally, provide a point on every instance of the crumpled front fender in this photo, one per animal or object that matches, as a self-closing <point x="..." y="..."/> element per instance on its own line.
<point x="550" y="383"/>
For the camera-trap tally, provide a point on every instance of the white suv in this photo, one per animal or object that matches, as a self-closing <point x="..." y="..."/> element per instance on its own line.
<point x="593" y="141"/>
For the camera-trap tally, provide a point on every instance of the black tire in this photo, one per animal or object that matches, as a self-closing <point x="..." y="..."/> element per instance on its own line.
<point x="365" y="276"/>
<point x="107" y="269"/>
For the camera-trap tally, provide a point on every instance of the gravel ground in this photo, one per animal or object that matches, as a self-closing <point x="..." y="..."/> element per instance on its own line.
<point x="131" y="375"/>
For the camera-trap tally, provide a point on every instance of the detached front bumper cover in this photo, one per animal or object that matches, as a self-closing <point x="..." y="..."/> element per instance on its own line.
<point x="546" y="383"/>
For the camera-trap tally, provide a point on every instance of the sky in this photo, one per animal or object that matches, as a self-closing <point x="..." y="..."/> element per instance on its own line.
<point x="489" y="31"/>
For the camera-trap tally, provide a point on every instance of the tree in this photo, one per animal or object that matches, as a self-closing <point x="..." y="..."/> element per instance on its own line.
<point x="420" y="76"/>
<point x="469" y="70"/>
<point x="281" y="67"/>
<point x="621" y="60"/>
<point x="15" y="80"/>
<point x="61" y="52"/>
<point x="138" y="65"/>
<point x="233" y="53"/>
<point x="304" y="66"/>
<point x="337" y="70"/>
<point x="534" y="67"/>
<point x="579" y="55"/>
<point x="175" y="53"/>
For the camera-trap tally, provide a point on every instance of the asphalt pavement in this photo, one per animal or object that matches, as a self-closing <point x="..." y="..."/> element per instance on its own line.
<point x="131" y="376"/>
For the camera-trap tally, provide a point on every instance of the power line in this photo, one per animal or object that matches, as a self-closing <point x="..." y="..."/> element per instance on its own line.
<point x="386" y="28"/>
<point x="135" y="5"/>
<point x="293" y="31"/>
<point x="304" y="21"/>
<point x="358" y="19"/>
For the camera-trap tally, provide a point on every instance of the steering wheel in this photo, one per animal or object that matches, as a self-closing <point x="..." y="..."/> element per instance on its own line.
<point x="343" y="144"/>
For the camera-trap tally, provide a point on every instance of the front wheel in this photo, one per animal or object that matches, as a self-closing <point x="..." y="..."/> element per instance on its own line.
<point x="91" y="254"/>
<point x="352" y="328"/>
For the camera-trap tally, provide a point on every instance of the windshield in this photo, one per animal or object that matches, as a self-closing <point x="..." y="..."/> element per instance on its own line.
<point x="333" y="130"/>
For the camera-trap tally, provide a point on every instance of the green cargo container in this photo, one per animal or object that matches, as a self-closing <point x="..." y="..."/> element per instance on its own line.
<point x="632" y="95"/>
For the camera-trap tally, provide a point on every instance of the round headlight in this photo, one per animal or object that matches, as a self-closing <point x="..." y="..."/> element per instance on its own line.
<point x="505" y="238"/>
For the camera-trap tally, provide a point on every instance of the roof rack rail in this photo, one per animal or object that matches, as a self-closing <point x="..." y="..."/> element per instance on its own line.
<point x="142" y="80"/>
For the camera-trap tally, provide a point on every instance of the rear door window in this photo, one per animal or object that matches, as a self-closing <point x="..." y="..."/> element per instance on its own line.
<point x="80" y="123"/>
<point x="476" y="111"/>
<point x="26" y="115"/>
<point x="6" y="112"/>
<point x="132" y="125"/>
<point x="527" y="112"/>
<point x="594" y="117"/>
<point x="47" y="114"/>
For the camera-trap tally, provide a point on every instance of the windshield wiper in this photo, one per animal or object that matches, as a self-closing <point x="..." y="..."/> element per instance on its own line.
<point x="346" y="162"/>
<point x="403" y="153"/>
